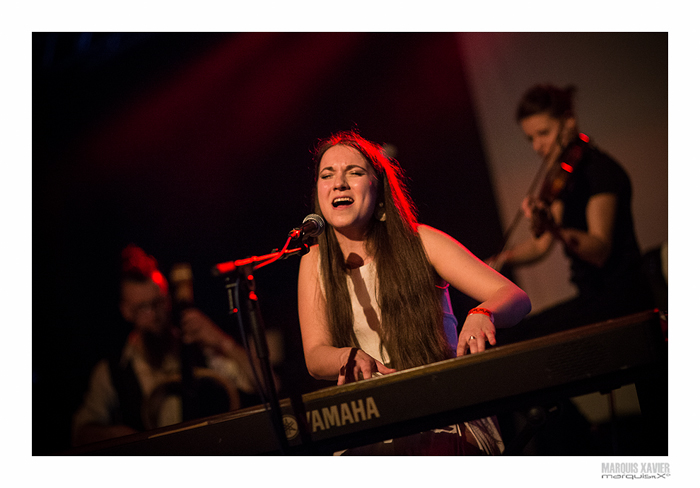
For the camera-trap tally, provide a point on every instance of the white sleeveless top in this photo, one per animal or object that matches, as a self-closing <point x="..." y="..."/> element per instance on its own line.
<point x="362" y="284"/>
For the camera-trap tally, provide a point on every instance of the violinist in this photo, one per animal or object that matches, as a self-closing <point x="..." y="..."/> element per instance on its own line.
<point x="584" y="204"/>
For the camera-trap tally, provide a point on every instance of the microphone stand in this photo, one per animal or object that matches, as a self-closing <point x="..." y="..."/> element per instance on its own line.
<point x="245" y="284"/>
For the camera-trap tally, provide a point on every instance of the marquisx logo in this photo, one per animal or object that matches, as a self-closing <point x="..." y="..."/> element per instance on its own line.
<point x="636" y="471"/>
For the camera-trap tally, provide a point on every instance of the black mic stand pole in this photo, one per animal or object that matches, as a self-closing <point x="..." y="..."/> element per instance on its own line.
<point x="246" y="288"/>
<point x="257" y="329"/>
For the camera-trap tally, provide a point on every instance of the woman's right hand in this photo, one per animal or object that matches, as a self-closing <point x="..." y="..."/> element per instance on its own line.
<point x="360" y="365"/>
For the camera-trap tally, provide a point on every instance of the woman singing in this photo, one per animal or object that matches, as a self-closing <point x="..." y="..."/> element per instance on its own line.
<point x="373" y="293"/>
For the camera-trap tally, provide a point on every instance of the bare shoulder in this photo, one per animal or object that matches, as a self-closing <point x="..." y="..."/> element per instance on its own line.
<point x="435" y="240"/>
<point x="308" y="265"/>
<point x="428" y="234"/>
<point x="443" y="250"/>
<point x="312" y="255"/>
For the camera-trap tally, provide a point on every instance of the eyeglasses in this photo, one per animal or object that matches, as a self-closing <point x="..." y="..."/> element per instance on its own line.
<point x="156" y="304"/>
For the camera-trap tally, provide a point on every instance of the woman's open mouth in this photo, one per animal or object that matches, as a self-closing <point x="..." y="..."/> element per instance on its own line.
<point x="342" y="202"/>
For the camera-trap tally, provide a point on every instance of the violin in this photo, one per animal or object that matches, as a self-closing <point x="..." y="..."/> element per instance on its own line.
<point x="554" y="182"/>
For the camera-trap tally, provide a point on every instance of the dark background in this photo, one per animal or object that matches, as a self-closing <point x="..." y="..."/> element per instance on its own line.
<point x="196" y="147"/>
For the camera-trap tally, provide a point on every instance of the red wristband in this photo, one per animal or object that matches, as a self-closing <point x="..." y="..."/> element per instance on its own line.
<point x="484" y="311"/>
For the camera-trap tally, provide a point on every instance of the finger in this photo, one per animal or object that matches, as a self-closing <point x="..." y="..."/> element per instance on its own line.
<point x="473" y="344"/>
<point x="365" y="371"/>
<point x="491" y="336"/>
<point x="462" y="346"/>
<point x="383" y="369"/>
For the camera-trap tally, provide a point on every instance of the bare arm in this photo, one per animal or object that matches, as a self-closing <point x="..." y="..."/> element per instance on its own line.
<point x="595" y="245"/>
<point x="198" y="328"/>
<point x="461" y="269"/>
<point x="532" y="249"/>
<point x="323" y="360"/>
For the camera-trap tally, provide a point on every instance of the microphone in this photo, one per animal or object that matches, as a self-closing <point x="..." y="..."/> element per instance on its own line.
<point x="312" y="226"/>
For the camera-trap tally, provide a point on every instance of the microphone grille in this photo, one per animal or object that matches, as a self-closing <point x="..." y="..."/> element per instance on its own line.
<point x="320" y="224"/>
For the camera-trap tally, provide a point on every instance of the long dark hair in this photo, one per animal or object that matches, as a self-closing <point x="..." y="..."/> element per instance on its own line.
<point x="409" y="300"/>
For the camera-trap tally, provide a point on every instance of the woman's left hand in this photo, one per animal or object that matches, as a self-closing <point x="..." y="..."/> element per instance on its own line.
<point x="476" y="331"/>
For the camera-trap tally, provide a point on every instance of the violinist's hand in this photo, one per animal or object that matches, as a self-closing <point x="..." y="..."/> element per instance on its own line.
<point x="539" y="214"/>
<point x="476" y="331"/>
<point x="527" y="206"/>
<point x="498" y="261"/>
<point x="542" y="221"/>
<point x="199" y="329"/>
<point x="360" y="365"/>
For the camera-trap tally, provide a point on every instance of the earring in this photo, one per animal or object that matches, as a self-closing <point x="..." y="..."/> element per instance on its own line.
<point x="380" y="212"/>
